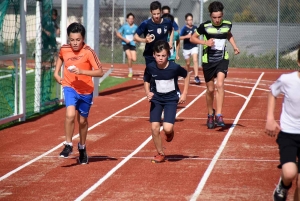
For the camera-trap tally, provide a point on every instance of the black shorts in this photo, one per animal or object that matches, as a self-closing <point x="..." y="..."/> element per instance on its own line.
<point x="289" y="148"/>
<point x="210" y="70"/>
<point x="129" y="47"/>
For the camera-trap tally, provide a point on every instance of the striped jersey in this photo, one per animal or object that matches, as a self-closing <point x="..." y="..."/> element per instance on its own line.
<point x="220" y="33"/>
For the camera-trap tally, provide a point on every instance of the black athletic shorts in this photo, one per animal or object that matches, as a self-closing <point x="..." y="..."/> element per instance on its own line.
<point x="210" y="70"/>
<point x="129" y="47"/>
<point x="289" y="148"/>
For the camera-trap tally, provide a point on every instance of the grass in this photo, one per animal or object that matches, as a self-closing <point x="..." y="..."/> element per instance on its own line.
<point x="5" y="108"/>
<point x="111" y="82"/>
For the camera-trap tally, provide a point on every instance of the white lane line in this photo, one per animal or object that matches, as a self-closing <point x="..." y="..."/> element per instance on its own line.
<point x="231" y="92"/>
<point x="60" y="145"/>
<point x="113" y="170"/>
<point x="177" y="158"/>
<point x="222" y="146"/>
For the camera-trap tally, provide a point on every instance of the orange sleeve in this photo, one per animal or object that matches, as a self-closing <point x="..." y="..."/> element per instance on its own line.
<point x="93" y="59"/>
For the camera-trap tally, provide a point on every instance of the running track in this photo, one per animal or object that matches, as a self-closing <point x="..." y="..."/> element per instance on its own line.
<point x="235" y="163"/>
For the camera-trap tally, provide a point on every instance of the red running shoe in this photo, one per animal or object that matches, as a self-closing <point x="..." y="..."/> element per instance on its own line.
<point x="158" y="158"/>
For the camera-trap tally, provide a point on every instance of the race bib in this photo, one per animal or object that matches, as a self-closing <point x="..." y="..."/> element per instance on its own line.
<point x="219" y="44"/>
<point x="165" y="86"/>
<point x="129" y="37"/>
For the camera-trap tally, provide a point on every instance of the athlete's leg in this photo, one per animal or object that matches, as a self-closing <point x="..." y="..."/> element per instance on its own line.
<point x="210" y="90"/>
<point x="83" y="128"/>
<point x="220" y="92"/>
<point x="133" y="55"/>
<point x="70" y="123"/>
<point x="195" y="63"/>
<point x="155" y="128"/>
<point x="187" y="63"/>
<point x="129" y="58"/>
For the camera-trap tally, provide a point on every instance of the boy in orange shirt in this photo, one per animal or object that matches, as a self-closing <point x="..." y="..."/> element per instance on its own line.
<point x="80" y="65"/>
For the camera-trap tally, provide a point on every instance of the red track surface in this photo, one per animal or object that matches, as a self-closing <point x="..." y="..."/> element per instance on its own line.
<point x="235" y="163"/>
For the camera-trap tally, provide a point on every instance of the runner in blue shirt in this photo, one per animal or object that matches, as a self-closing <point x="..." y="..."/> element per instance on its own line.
<point x="162" y="90"/>
<point x="190" y="49"/>
<point x="174" y="52"/>
<point x="154" y="29"/>
<point x="167" y="10"/>
<point x="126" y="33"/>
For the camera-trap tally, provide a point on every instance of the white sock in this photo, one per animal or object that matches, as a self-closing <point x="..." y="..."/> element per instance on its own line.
<point x="81" y="146"/>
<point x="130" y="70"/>
<point x="68" y="143"/>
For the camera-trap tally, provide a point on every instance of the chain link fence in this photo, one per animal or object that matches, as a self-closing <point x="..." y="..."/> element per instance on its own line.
<point x="266" y="31"/>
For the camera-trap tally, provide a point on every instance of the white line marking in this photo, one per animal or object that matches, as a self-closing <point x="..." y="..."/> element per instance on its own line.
<point x="231" y="92"/>
<point x="60" y="145"/>
<point x="178" y="158"/>
<point x="222" y="146"/>
<point x="113" y="170"/>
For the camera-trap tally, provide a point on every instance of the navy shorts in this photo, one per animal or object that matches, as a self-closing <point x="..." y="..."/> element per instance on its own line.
<point x="169" y="112"/>
<point x="82" y="102"/>
<point x="289" y="148"/>
<point x="129" y="47"/>
<point x="211" y="70"/>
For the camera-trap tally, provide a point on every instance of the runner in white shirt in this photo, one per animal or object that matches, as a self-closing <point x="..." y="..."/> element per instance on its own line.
<point x="288" y="138"/>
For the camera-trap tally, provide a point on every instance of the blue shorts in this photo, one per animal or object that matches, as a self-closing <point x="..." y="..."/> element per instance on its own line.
<point x="169" y="112"/>
<point x="82" y="102"/>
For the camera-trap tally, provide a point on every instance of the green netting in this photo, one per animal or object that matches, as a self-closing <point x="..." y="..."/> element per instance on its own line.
<point x="10" y="44"/>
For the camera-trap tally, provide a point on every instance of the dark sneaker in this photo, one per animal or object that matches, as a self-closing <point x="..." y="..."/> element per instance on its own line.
<point x="197" y="80"/>
<point x="220" y="121"/>
<point x="280" y="193"/>
<point x="169" y="137"/>
<point x="83" y="157"/>
<point x="66" y="151"/>
<point x="158" y="158"/>
<point x="211" y="120"/>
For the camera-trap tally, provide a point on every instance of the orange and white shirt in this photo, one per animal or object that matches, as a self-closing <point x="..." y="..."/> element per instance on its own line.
<point x="85" y="59"/>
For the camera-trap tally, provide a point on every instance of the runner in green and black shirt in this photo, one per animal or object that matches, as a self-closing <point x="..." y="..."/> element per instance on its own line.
<point x="215" y="58"/>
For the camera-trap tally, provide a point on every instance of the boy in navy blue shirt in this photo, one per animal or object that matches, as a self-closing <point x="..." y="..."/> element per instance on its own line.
<point x="190" y="49"/>
<point x="154" y="29"/>
<point x="161" y="88"/>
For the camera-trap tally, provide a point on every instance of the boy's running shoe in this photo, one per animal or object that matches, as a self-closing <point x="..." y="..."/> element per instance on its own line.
<point x="280" y="193"/>
<point x="197" y="80"/>
<point x="219" y="121"/>
<point x="211" y="120"/>
<point x="169" y="137"/>
<point x="83" y="157"/>
<point x="67" y="151"/>
<point x="158" y="158"/>
<point x="129" y="74"/>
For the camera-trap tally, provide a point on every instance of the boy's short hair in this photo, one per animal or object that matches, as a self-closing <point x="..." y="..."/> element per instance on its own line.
<point x="54" y="12"/>
<point x="299" y="54"/>
<point x="130" y="14"/>
<point x="161" y="45"/>
<point x="188" y="15"/>
<point x="166" y="8"/>
<point x="215" y="6"/>
<point x="168" y="16"/>
<point x="155" y="5"/>
<point x="76" y="27"/>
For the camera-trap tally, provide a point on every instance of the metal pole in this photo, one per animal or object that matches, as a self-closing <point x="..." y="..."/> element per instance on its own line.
<point x="278" y="35"/>
<point x="112" y="34"/>
<point x="38" y="58"/>
<point x="124" y="13"/>
<point x="63" y="34"/>
<point x="22" y="92"/>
